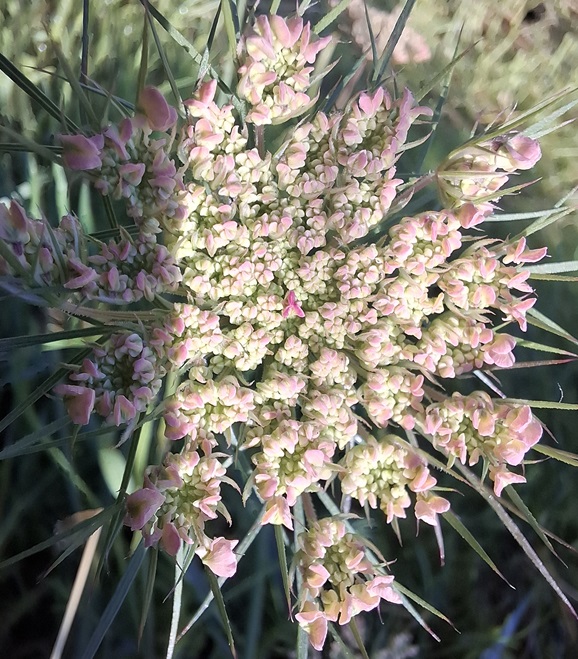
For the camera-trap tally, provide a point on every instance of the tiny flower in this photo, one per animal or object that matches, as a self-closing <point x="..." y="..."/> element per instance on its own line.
<point x="79" y="401"/>
<point x="80" y="152"/>
<point x="141" y="506"/>
<point x="159" y="114"/>
<point x="219" y="557"/>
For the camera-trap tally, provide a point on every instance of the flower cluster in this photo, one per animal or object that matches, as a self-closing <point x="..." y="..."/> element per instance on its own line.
<point x="476" y="426"/>
<point x="295" y="339"/>
<point x="121" y="380"/>
<point x="338" y="579"/>
<point x="178" y="498"/>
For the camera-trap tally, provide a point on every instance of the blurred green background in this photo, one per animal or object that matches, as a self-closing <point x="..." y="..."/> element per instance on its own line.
<point x="521" y="52"/>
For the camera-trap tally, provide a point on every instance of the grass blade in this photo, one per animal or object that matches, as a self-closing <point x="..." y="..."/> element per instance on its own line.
<point x="115" y="602"/>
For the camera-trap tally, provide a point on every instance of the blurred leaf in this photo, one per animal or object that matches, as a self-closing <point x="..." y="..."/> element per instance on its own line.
<point x="36" y="94"/>
<point x="112" y="465"/>
<point x="149" y="590"/>
<point x="115" y="602"/>
<point x="42" y="389"/>
<point x="80" y="531"/>
<point x="16" y="342"/>
<point x="164" y="59"/>
<point x="380" y="67"/>
<point x="231" y="20"/>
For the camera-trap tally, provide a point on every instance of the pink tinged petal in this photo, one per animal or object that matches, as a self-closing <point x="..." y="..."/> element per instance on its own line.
<point x="428" y="509"/>
<point x="502" y="477"/>
<point x="159" y="114"/>
<point x="277" y="512"/>
<point x="381" y="586"/>
<point x="141" y="506"/>
<point x="132" y="172"/>
<point x="316" y="575"/>
<point x="118" y="140"/>
<point x="85" y="274"/>
<point x="170" y="540"/>
<point x="123" y="410"/>
<point x="523" y="151"/>
<point x="219" y="556"/>
<point x="314" y="623"/>
<point x="80" y="152"/>
<point x="152" y="539"/>
<point x="79" y="401"/>
<point x="291" y="306"/>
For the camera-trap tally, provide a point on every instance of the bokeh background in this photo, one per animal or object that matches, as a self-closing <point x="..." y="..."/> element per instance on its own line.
<point x="519" y="53"/>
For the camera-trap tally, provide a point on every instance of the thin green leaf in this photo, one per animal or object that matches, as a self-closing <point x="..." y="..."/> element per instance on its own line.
<point x="543" y="404"/>
<point x="16" y="342"/>
<point x="116" y="523"/>
<point x="42" y="389"/>
<point x="218" y="596"/>
<point x="542" y="223"/>
<point x="399" y="27"/>
<point x="245" y="543"/>
<point x="76" y="87"/>
<point x="357" y="637"/>
<point x="538" y="319"/>
<point x="149" y="590"/>
<point x="513" y="217"/>
<point x="371" y="39"/>
<point x="527" y="515"/>
<point x="553" y="268"/>
<point x="204" y="65"/>
<point x="177" y="601"/>
<point x="448" y="70"/>
<point x="194" y="54"/>
<point x="302" y="648"/>
<point x="275" y="6"/>
<point x="110" y="214"/>
<point x="231" y="20"/>
<point x="36" y="442"/>
<point x="115" y="602"/>
<point x="36" y="94"/>
<point x="144" y="56"/>
<point x="515" y="532"/>
<point x="520" y="119"/>
<point x="28" y="145"/>
<point x="461" y="529"/>
<point x="532" y="345"/>
<point x="345" y="651"/>
<point x="407" y="595"/>
<point x="557" y="454"/>
<point x="566" y="278"/>
<point x="331" y="16"/>
<point x="283" y="563"/>
<point x="540" y="128"/>
<point x="163" y="56"/>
